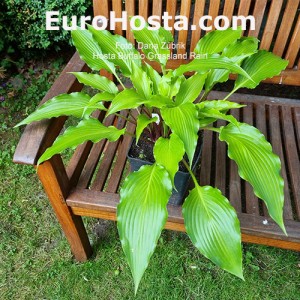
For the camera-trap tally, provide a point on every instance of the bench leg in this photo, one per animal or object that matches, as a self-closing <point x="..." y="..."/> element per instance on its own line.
<point x="56" y="184"/>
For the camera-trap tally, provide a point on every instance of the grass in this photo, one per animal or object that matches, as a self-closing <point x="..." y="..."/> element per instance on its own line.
<point x="35" y="259"/>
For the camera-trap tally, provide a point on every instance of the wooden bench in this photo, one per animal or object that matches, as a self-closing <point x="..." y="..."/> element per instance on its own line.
<point x="88" y="185"/>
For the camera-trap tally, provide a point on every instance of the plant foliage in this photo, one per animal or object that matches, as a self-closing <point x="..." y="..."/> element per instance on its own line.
<point x="172" y="113"/>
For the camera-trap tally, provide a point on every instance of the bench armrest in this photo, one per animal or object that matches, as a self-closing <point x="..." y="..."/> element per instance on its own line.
<point x="38" y="136"/>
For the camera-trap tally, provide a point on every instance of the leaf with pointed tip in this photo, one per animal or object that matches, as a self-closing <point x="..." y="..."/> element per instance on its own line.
<point x="96" y="81"/>
<point x="260" y="66"/>
<point x="142" y="214"/>
<point x="90" y="52"/>
<point x="141" y="81"/>
<point x="119" y="50"/>
<point x="237" y="52"/>
<point x="154" y="43"/>
<point x="215" y="62"/>
<point x="159" y="101"/>
<point x="105" y="96"/>
<point x="215" y="41"/>
<point x="183" y="121"/>
<point x="126" y="99"/>
<point x="168" y="153"/>
<point x="212" y="225"/>
<point x="257" y="164"/>
<point x="141" y="123"/>
<point x="73" y="104"/>
<point x="153" y="75"/>
<point x="87" y="130"/>
<point x="220" y="105"/>
<point x="216" y="114"/>
<point x="190" y="89"/>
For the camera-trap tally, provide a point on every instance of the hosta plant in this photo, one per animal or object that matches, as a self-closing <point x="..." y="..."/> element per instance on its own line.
<point x="172" y="108"/>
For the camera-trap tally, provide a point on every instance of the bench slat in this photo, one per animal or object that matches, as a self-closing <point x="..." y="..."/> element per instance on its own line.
<point x="291" y="155"/>
<point x="183" y="34"/>
<point x="198" y="13"/>
<point x="293" y="50"/>
<point x="269" y="30"/>
<point x="258" y="13"/>
<point x="285" y="26"/>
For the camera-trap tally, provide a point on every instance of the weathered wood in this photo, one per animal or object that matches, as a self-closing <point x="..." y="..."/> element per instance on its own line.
<point x="183" y="34"/>
<point x="198" y="13"/>
<point x="38" y="136"/>
<point x="255" y="229"/>
<point x="54" y="179"/>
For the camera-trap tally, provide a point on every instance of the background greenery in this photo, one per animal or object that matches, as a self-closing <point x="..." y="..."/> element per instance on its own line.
<point x="23" y="24"/>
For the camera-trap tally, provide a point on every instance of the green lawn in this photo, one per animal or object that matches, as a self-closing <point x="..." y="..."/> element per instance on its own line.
<point x="35" y="259"/>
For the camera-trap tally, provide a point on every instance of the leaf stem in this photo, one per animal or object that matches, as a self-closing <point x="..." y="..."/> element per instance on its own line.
<point x="190" y="171"/>
<point x="212" y="129"/>
<point x="127" y="119"/>
<point x="118" y="78"/>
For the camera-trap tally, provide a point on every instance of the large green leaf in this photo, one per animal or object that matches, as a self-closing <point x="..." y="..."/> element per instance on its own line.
<point x="141" y="81"/>
<point x="213" y="226"/>
<point x="154" y="43"/>
<point x="87" y="130"/>
<point x="257" y="164"/>
<point x="74" y="104"/>
<point x="183" y="122"/>
<point x="216" y="114"/>
<point x="237" y="52"/>
<point x="221" y="105"/>
<point x="159" y="101"/>
<point x="190" y="89"/>
<point x="153" y="75"/>
<point x="260" y="66"/>
<point x="118" y="50"/>
<point x="218" y="107"/>
<point x="90" y="52"/>
<point x="168" y="153"/>
<point x="215" y="41"/>
<point x="215" y="62"/>
<point x="142" y="214"/>
<point x="141" y="123"/>
<point x="96" y="81"/>
<point x="126" y="99"/>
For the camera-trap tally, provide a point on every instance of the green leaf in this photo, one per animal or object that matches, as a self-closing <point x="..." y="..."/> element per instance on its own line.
<point x="183" y="121"/>
<point x="215" y="41"/>
<point x="87" y="130"/>
<point x="141" y="81"/>
<point x="216" y="114"/>
<point x="159" y="101"/>
<point x="142" y="123"/>
<point x="237" y="52"/>
<point x="215" y="62"/>
<point x="190" y="89"/>
<point x="105" y="96"/>
<point x="168" y="153"/>
<point x="260" y="66"/>
<point x="221" y="105"/>
<point x="73" y="104"/>
<point x="119" y="50"/>
<point x="153" y="75"/>
<point x="257" y="164"/>
<point x="213" y="226"/>
<point x="142" y="214"/>
<point x="245" y="45"/>
<point x="90" y="52"/>
<point x="154" y="43"/>
<point x="96" y="81"/>
<point x="126" y="99"/>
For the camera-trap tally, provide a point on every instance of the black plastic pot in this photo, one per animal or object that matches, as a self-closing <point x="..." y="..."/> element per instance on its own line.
<point x="181" y="179"/>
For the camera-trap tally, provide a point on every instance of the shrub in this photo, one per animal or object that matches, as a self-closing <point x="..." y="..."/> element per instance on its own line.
<point x="23" y="23"/>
